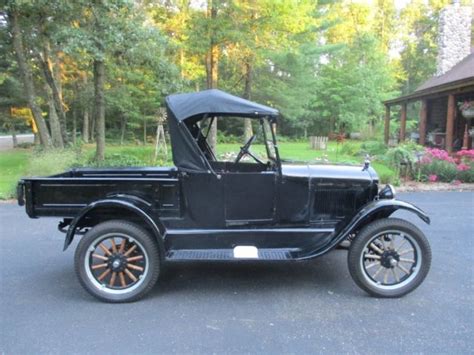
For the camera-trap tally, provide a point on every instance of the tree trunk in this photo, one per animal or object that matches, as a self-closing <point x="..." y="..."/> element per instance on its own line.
<point x="27" y="79"/>
<point x="74" y="126"/>
<point x="144" y="132"/>
<point x="57" y="78"/>
<point x="212" y="69"/>
<point x="123" y="127"/>
<point x="92" y="132"/>
<point x="13" y="133"/>
<point x="99" y="108"/>
<point x="85" y="125"/>
<point x="248" y="132"/>
<point x="54" y="124"/>
<point x="52" y="80"/>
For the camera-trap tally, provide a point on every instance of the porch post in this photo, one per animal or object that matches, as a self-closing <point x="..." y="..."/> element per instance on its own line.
<point x="403" y="122"/>
<point x="386" y="133"/>
<point x="450" y="123"/>
<point x="422" y="122"/>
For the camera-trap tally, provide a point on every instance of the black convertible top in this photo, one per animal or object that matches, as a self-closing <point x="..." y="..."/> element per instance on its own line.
<point x="186" y="110"/>
<point x="214" y="102"/>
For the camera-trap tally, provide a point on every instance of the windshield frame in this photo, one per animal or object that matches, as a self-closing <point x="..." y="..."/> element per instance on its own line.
<point x="270" y="138"/>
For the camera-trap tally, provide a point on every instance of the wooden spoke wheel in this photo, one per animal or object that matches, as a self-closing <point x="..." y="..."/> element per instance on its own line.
<point x="117" y="261"/>
<point x="389" y="258"/>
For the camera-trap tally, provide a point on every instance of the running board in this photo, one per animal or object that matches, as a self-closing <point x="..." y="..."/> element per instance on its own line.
<point x="238" y="253"/>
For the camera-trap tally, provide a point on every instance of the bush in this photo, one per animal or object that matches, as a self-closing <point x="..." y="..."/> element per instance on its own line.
<point x="438" y="170"/>
<point x="373" y="148"/>
<point x="350" y="148"/>
<point x="50" y="162"/>
<point x="406" y="153"/>
<point x="466" y="175"/>
<point x="438" y="165"/>
<point x="386" y="175"/>
<point x="118" y="161"/>
<point x="228" y="138"/>
<point x="25" y="145"/>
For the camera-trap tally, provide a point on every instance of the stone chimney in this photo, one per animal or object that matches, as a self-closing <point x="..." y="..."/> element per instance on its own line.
<point x="454" y="41"/>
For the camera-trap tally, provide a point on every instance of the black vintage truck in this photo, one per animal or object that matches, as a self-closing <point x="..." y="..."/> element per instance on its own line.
<point x="132" y="220"/>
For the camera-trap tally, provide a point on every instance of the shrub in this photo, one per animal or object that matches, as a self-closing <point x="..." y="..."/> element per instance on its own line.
<point x="406" y="153"/>
<point x="466" y="175"/>
<point x="444" y="171"/>
<point x="25" y="145"/>
<point x="386" y="174"/>
<point x="118" y="161"/>
<point x="350" y="148"/>
<point x="228" y="138"/>
<point x="373" y="148"/>
<point x="49" y="162"/>
<point x="438" y="165"/>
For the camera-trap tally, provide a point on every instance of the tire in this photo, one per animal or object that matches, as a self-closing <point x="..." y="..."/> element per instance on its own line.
<point x="389" y="258"/>
<point x="117" y="261"/>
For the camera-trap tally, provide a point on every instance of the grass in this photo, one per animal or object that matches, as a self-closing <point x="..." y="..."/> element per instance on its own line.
<point x="17" y="163"/>
<point x="13" y="164"/>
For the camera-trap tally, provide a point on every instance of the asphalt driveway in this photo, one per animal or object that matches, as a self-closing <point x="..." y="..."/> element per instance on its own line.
<point x="301" y="307"/>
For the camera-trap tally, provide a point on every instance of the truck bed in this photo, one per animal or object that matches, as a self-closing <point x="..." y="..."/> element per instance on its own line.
<point x="65" y="194"/>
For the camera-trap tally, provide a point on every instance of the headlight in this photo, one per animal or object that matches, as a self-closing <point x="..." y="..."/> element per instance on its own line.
<point x="388" y="192"/>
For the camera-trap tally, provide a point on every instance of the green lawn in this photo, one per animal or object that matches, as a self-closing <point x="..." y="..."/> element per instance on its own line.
<point x="17" y="163"/>
<point x="13" y="164"/>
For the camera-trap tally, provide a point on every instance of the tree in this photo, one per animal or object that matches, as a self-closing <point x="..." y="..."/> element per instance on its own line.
<point x="25" y="73"/>
<point x="351" y="86"/>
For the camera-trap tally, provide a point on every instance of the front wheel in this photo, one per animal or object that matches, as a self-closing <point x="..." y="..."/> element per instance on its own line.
<point x="117" y="261"/>
<point x="389" y="258"/>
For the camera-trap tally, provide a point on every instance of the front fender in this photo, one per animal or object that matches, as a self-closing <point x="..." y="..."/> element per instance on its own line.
<point x="135" y="205"/>
<point x="379" y="209"/>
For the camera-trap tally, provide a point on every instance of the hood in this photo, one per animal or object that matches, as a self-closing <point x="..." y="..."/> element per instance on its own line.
<point x="326" y="171"/>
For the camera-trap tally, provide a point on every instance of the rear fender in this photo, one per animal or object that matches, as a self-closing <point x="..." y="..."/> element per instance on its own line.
<point x="137" y="206"/>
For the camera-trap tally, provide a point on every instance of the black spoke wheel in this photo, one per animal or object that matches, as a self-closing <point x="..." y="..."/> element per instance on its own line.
<point x="389" y="258"/>
<point x="117" y="261"/>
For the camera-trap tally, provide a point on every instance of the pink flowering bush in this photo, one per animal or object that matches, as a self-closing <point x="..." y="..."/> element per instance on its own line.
<point x="438" y="165"/>
<point x="466" y="154"/>
<point x="433" y="178"/>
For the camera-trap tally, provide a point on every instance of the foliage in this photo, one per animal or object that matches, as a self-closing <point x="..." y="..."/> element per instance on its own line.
<point x="403" y="154"/>
<point x="49" y="162"/>
<point x="386" y="174"/>
<point x="438" y="165"/>
<point x="13" y="165"/>
<point x="374" y="148"/>
<point x="350" y="148"/>
<point x="327" y="66"/>
<point x="117" y="161"/>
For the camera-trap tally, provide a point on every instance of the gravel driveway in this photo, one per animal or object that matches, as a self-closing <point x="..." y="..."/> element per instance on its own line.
<point x="303" y="307"/>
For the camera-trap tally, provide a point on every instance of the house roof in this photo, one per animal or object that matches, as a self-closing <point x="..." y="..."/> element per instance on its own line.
<point x="458" y="77"/>
<point x="463" y="70"/>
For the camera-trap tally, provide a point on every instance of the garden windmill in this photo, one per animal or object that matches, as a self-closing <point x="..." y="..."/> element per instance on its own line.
<point x="160" y="146"/>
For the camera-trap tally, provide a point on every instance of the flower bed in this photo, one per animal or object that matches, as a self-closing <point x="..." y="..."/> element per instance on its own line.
<point x="436" y="165"/>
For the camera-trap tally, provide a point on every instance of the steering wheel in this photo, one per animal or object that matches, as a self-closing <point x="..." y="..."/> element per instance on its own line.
<point x="244" y="150"/>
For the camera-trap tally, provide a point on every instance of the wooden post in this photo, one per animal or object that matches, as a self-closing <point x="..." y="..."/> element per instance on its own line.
<point x="423" y="121"/>
<point x="465" y="139"/>
<point x="403" y="122"/>
<point x="450" y="123"/>
<point x="387" y="124"/>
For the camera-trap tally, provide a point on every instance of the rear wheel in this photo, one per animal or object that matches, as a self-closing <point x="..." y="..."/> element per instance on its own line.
<point x="389" y="258"/>
<point x="117" y="261"/>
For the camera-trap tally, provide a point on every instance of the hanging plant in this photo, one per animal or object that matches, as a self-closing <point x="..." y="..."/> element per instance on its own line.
<point x="467" y="109"/>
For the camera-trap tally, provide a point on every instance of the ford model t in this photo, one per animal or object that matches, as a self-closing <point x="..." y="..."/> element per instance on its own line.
<point x="252" y="208"/>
